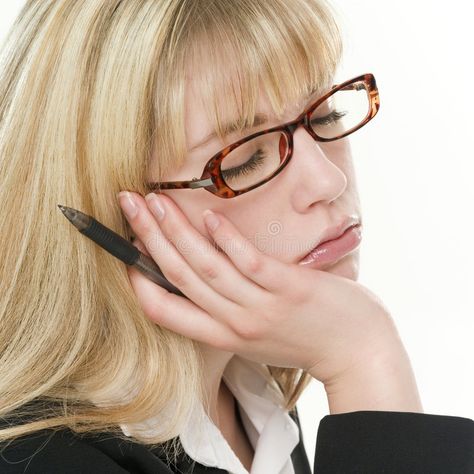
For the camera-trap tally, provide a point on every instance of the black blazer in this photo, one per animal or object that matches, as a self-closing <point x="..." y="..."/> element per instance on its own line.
<point x="363" y="442"/>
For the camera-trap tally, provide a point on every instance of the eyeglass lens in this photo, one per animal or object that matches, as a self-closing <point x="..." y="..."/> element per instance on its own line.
<point x="257" y="159"/>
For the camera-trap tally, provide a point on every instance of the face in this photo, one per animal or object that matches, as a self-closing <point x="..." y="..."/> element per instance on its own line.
<point x="286" y="216"/>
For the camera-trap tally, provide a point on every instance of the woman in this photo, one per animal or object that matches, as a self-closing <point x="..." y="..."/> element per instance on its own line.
<point x="104" y="371"/>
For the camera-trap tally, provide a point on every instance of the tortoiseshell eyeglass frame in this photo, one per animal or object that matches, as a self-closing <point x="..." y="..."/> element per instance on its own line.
<point x="212" y="180"/>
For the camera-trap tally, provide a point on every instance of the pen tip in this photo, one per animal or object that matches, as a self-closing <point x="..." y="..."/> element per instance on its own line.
<point x="69" y="212"/>
<point x="77" y="218"/>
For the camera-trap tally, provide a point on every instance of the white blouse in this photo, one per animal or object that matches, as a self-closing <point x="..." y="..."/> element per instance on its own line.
<point x="271" y="430"/>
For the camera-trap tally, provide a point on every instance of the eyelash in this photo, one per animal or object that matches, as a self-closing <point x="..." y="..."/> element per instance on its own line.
<point x="256" y="161"/>
<point x="334" y="116"/>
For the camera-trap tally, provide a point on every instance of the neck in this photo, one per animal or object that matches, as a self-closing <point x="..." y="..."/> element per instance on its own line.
<point x="219" y="398"/>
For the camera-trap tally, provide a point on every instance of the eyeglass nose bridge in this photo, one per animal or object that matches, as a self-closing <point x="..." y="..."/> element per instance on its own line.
<point x="303" y="120"/>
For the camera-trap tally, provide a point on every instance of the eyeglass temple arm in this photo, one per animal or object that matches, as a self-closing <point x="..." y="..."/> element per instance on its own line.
<point x="195" y="183"/>
<point x="354" y="86"/>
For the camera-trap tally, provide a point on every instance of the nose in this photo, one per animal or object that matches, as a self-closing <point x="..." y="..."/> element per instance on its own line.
<point x="314" y="177"/>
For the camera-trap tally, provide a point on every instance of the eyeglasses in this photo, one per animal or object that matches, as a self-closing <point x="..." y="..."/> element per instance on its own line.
<point x="257" y="158"/>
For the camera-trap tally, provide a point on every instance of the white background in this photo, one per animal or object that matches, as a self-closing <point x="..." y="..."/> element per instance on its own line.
<point x="415" y="169"/>
<point x="415" y="172"/>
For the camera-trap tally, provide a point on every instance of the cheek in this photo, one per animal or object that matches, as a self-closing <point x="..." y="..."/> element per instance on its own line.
<point x="256" y="225"/>
<point x="193" y="203"/>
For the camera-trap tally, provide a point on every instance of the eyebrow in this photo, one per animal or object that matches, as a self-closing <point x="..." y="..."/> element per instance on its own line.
<point x="233" y="126"/>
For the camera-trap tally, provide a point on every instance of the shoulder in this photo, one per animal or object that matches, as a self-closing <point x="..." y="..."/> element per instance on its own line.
<point x="65" y="452"/>
<point x="53" y="452"/>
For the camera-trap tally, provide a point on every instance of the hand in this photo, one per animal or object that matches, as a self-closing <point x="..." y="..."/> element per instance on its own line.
<point x="382" y="381"/>
<point x="246" y="302"/>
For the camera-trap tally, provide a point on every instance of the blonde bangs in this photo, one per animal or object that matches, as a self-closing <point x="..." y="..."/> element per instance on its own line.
<point x="231" y="49"/>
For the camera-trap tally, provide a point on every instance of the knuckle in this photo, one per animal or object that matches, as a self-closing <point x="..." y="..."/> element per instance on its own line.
<point x="154" y="310"/>
<point x="144" y="226"/>
<point x="256" y="264"/>
<point x="267" y="318"/>
<point x="209" y="272"/>
<point x="300" y="294"/>
<point x="177" y="276"/>
<point x="248" y="331"/>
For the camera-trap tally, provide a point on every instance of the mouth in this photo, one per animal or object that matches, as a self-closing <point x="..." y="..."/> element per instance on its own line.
<point x="333" y="249"/>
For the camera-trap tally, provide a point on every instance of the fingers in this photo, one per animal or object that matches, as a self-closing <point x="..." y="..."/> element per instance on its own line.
<point x="269" y="273"/>
<point x="179" y="314"/>
<point x="171" y="263"/>
<point x="241" y="258"/>
<point x="187" y="258"/>
<point x="213" y="266"/>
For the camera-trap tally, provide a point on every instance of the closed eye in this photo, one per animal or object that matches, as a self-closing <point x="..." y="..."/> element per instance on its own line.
<point x="333" y="117"/>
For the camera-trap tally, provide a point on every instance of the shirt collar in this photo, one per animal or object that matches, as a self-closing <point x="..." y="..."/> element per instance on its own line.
<point x="270" y="429"/>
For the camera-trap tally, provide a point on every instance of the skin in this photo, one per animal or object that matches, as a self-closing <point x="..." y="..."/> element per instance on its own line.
<point x="315" y="191"/>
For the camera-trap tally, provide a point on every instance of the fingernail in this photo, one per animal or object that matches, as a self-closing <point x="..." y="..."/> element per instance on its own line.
<point x="156" y="205"/>
<point x="127" y="204"/>
<point x="211" y="220"/>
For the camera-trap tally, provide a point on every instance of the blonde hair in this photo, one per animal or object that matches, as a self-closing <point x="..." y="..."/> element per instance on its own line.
<point x="87" y="90"/>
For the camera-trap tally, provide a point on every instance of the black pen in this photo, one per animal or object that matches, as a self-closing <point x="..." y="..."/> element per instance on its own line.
<point x="118" y="247"/>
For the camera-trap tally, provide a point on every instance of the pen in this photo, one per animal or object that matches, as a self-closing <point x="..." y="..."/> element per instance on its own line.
<point x="118" y="247"/>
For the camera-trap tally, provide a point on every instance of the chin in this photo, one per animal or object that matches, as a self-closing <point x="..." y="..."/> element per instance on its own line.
<point x="347" y="266"/>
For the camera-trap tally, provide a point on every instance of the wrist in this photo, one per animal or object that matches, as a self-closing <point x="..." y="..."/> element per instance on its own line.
<point x="382" y="381"/>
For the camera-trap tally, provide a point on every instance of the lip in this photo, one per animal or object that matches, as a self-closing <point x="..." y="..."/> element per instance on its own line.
<point x="333" y="233"/>
<point x="332" y="251"/>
